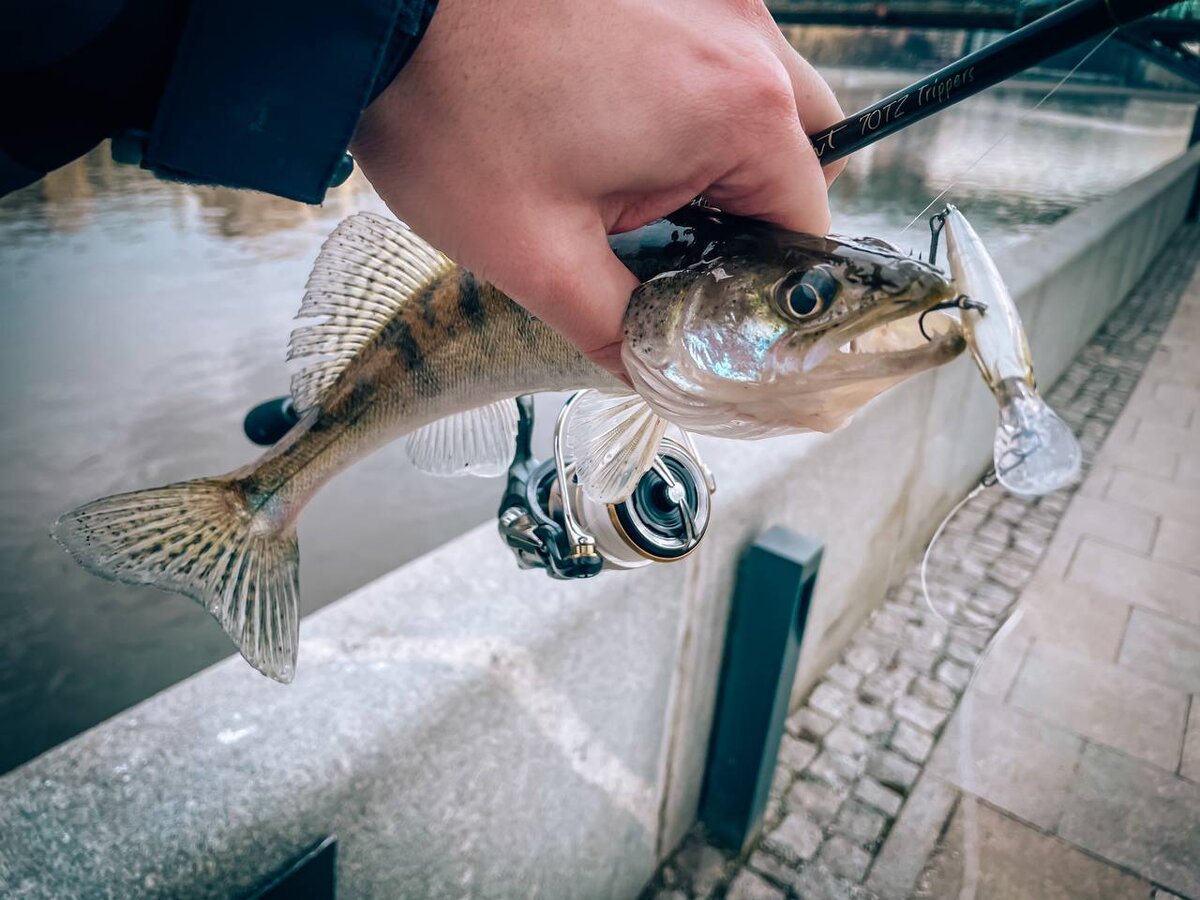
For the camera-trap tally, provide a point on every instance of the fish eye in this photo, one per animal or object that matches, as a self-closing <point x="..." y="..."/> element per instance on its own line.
<point x="810" y="294"/>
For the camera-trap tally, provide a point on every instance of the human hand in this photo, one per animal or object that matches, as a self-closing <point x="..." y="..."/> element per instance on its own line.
<point x="523" y="132"/>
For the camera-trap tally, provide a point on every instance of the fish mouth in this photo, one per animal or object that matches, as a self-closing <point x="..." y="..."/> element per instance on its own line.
<point x="912" y="336"/>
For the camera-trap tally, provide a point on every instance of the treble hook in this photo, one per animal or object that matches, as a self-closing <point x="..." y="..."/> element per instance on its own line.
<point x="962" y="301"/>
<point x="936" y="223"/>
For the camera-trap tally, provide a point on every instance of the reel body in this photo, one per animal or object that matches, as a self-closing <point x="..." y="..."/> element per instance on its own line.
<point x="550" y="523"/>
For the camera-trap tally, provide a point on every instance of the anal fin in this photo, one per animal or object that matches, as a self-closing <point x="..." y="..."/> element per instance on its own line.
<point x="479" y="441"/>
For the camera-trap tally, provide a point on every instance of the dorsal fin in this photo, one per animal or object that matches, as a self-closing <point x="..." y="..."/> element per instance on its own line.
<point x="366" y="270"/>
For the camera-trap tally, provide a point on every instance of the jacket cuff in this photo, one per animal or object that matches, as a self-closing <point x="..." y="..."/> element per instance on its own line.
<point x="266" y="94"/>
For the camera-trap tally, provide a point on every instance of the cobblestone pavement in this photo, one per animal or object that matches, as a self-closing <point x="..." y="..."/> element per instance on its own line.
<point x="1070" y="769"/>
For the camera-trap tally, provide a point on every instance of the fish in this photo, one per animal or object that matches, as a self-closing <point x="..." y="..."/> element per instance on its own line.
<point x="1034" y="451"/>
<point x="738" y="329"/>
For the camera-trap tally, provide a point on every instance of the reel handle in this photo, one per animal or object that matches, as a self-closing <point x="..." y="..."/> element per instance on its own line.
<point x="269" y="421"/>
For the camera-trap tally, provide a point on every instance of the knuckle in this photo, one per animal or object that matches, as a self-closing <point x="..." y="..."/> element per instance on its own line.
<point x="766" y="88"/>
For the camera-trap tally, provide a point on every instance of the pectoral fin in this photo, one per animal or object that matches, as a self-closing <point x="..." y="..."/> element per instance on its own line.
<point x="613" y="437"/>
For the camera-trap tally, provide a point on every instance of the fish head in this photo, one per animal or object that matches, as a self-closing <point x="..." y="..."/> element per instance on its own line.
<point x="782" y="332"/>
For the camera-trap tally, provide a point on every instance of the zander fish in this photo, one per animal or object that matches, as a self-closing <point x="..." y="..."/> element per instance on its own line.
<point x="738" y="329"/>
<point x="1034" y="451"/>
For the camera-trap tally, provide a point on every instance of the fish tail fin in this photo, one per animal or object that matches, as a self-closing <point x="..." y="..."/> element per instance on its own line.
<point x="204" y="539"/>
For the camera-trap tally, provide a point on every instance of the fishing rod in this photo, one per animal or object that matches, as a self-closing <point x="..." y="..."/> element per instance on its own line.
<point x="1024" y="48"/>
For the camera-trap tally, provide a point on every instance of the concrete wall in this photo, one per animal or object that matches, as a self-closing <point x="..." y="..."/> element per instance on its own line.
<point x="469" y="729"/>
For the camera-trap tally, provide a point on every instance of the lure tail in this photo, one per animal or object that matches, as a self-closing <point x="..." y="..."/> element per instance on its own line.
<point x="204" y="539"/>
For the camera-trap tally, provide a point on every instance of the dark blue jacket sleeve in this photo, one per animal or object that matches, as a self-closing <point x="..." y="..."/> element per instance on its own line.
<point x="259" y="94"/>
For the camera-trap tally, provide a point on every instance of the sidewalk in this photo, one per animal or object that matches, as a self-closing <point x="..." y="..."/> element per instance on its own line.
<point x="1070" y="768"/>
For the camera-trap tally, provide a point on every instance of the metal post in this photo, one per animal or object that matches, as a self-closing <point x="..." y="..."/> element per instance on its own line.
<point x="762" y="645"/>
<point x="1194" y="210"/>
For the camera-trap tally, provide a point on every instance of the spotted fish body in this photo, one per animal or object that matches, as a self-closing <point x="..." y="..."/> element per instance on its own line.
<point x="734" y="322"/>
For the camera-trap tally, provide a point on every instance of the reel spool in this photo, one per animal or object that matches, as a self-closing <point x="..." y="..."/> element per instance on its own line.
<point x="550" y="523"/>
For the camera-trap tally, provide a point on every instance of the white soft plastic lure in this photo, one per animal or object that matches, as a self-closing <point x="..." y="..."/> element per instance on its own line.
<point x="1034" y="450"/>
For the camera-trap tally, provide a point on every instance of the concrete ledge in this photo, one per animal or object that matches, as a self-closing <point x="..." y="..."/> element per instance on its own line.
<point x="469" y="729"/>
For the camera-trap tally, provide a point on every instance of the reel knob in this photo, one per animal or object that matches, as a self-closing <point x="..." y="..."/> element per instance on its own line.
<point x="269" y="421"/>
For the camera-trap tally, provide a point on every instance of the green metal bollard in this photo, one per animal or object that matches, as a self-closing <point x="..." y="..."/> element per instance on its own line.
<point x="762" y="645"/>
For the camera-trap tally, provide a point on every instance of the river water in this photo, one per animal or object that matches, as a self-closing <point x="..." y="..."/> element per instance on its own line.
<point x="142" y="319"/>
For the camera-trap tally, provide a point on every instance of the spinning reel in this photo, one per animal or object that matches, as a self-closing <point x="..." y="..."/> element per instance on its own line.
<point x="550" y="523"/>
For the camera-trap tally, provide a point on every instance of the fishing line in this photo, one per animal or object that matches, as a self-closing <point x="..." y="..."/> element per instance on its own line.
<point x="987" y="481"/>
<point x="1003" y="137"/>
<point x="962" y="762"/>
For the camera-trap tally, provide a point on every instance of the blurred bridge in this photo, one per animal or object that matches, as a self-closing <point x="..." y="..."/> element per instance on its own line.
<point x="1171" y="38"/>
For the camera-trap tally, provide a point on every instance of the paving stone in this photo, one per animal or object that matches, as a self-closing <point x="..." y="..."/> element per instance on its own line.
<point x="884" y="687"/>
<point x="1112" y="522"/>
<point x="924" y="715"/>
<point x="844" y="676"/>
<point x="994" y="531"/>
<point x="1017" y="861"/>
<point x="911" y="742"/>
<point x="874" y="794"/>
<point x="860" y="823"/>
<point x="920" y="661"/>
<point x="1160" y="894"/>
<point x="992" y="598"/>
<point x="1104" y="702"/>
<point x="1158" y="585"/>
<point x="1138" y="816"/>
<point x="926" y="637"/>
<point x="977" y="619"/>
<point x="996" y="672"/>
<point x="843" y="739"/>
<point x="963" y="653"/>
<point x="887" y="623"/>
<point x="934" y="692"/>
<point x="1010" y="759"/>
<point x="795" y="754"/>
<point x="748" y="886"/>
<point x="1083" y="620"/>
<point x="796" y="839"/>
<point x="864" y="658"/>
<point x="869" y="720"/>
<point x="902" y="610"/>
<point x="1190" y="766"/>
<point x="808" y="724"/>
<point x="1162" y="649"/>
<point x="1158" y="495"/>
<point x="844" y="858"/>
<point x="835" y="769"/>
<point x="893" y="770"/>
<point x="1178" y="543"/>
<point x="700" y="865"/>
<point x="911" y="839"/>
<point x="1011" y="571"/>
<point x="776" y="871"/>
<point x="831" y="700"/>
<point x="954" y="674"/>
<point x="1188" y="472"/>
<point x="811" y="881"/>
<point x="819" y="802"/>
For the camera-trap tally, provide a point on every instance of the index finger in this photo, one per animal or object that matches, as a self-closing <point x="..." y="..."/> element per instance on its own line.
<point x="816" y="105"/>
